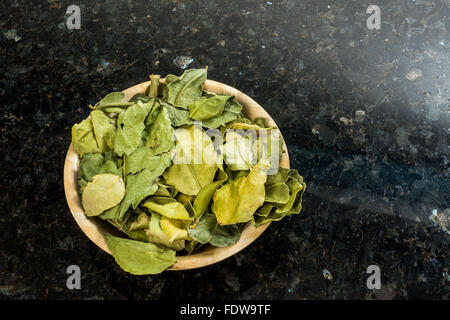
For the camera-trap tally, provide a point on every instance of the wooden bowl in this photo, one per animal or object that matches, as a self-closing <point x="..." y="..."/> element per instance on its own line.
<point x="95" y="228"/>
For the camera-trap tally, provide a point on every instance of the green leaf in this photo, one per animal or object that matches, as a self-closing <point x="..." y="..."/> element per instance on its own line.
<point x="186" y="200"/>
<point x="165" y="190"/>
<point x="216" y="122"/>
<point x="141" y="97"/>
<point x="142" y="185"/>
<point x="144" y="158"/>
<point x="139" y="235"/>
<point x="113" y="99"/>
<point x="204" y="229"/>
<point x="104" y="130"/>
<point x="208" y="230"/>
<point x="238" y="200"/>
<point x="204" y="196"/>
<point x="110" y="214"/>
<point x="142" y="221"/>
<point x="83" y="138"/>
<point x="225" y="236"/>
<point x="191" y="245"/>
<point x="231" y="112"/>
<point x="238" y="150"/>
<point x="280" y="176"/>
<point x="275" y="211"/>
<point x="233" y="106"/>
<point x="261" y="122"/>
<point x="112" y="166"/>
<point x="186" y="89"/>
<point x="95" y="163"/>
<point x="208" y="94"/>
<point x="174" y="229"/>
<point x="139" y="258"/>
<point x="135" y="225"/>
<point x="156" y="235"/>
<point x="130" y="126"/>
<point x="296" y="188"/>
<point x="244" y="148"/>
<point x="112" y="111"/>
<point x="245" y="125"/>
<point x="178" y="117"/>
<point x="270" y="144"/>
<point x="152" y="89"/>
<point x="195" y="161"/>
<point x="159" y="135"/>
<point x="138" y="187"/>
<point x="167" y="207"/>
<point x="239" y="173"/>
<point x="104" y="192"/>
<point x="90" y="165"/>
<point x="208" y="108"/>
<point x="154" y="112"/>
<point x="278" y="193"/>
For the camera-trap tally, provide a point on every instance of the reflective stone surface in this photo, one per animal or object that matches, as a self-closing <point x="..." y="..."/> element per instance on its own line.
<point x="365" y="114"/>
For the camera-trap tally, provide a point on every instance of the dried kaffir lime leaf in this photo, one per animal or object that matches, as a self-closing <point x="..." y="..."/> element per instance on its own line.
<point x="104" y="192"/>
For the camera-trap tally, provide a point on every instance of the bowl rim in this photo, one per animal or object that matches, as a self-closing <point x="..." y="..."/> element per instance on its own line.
<point x="94" y="228"/>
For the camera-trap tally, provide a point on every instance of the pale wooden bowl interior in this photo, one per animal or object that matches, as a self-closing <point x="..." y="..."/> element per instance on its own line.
<point x="95" y="228"/>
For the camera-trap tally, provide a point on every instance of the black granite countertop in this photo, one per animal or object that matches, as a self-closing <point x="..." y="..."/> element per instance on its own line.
<point x="365" y="114"/>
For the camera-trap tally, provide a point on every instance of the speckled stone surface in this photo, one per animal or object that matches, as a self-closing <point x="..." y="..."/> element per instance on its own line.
<point x="365" y="114"/>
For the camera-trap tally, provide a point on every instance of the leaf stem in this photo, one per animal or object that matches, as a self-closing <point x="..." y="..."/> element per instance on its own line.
<point x="112" y="104"/>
